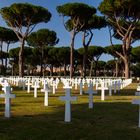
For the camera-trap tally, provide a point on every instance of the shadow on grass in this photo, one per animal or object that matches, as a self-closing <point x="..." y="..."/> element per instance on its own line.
<point x="106" y="121"/>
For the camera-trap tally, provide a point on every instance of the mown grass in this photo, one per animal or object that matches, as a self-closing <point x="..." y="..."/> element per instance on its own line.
<point x="113" y="119"/>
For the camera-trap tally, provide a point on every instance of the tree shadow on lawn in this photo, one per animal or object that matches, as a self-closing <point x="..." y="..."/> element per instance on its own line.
<point x="106" y="121"/>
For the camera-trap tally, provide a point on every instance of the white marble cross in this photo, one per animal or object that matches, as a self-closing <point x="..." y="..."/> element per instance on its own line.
<point x="103" y="88"/>
<point x="7" y="97"/>
<point x="54" y="87"/>
<point x="76" y="83"/>
<point x="28" y="85"/>
<point x="138" y="88"/>
<point x="35" y="86"/>
<point x="91" y="92"/>
<point x="23" y="84"/>
<point x="81" y="87"/>
<point x="68" y="98"/>
<point x="46" y="96"/>
<point x="4" y="85"/>
<point x="137" y="102"/>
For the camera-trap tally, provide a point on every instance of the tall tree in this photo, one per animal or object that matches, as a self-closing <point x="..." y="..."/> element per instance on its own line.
<point x="10" y="37"/>
<point x="116" y="50"/>
<point x="77" y="15"/>
<point x="22" y="19"/>
<point x="42" y="38"/>
<point x="53" y="59"/>
<point x="64" y="57"/>
<point x="94" y="53"/>
<point x="95" y="22"/>
<point x="123" y="17"/>
<point x="13" y="55"/>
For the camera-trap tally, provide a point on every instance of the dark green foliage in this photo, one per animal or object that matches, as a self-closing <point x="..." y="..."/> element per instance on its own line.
<point x="124" y="8"/>
<point x="3" y="55"/>
<point x="135" y="53"/>
<point x="79" y="10"/>
<point x="95" y="51"/>
<point x="64" y="55"/>
<point x="20" y="14"/>
<point x="7" y="35"/>
<point x="42" y="37"/>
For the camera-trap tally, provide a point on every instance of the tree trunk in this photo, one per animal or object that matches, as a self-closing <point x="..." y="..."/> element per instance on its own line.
<point x="41" y="61"/>
<point x="12" y="70"/>
<point x="21" y="59"/>
<point x="86" y="49"/>
<point x="71" y="53"/>
<point x="6" y="57"/>
<point x="51" y="70"/>
<point x="91" y="67"/>
<point x="64" y="69"/>
<point x="126" y="66"/>
<point x="95" y="69"/>
<point x="81" y="72"/>
<point x="85" y="60"/>
<point x="1" y="43"/>
<point x="117" y="68"/>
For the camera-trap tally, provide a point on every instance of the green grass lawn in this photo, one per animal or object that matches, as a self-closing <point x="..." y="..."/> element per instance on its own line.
<point x="113" y="119"/>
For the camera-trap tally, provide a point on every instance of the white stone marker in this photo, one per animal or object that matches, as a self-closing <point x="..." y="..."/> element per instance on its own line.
<point x="7" y="97"/>
<point x="54" y="86"/>
<point x="91" y="92"/>
<point x="23" y="84"/>
<point x="46" y="90"/>
<point x="81" y="87"/>
<point x="68" y="100"/>
<point x="35" y="86"/>
<point x="28" y="85"/>
<point x="137" y="102"/>
<point x="110" y="90"/>
<point x="103" y="88"/>
<point x="76" y="83"/>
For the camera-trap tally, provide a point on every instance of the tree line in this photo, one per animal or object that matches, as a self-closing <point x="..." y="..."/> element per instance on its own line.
<point x="121" y="18"/>
<point x="56" y="61"/>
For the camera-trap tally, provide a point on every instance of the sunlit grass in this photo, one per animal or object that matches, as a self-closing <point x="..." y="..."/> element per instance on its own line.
<point x="113" y="119"/>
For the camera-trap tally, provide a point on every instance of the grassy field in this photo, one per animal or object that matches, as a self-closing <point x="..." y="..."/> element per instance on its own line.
<point x="113" y="119"/>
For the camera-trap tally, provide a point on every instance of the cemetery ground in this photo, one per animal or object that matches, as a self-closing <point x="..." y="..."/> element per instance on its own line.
<point x="113" y="119"/>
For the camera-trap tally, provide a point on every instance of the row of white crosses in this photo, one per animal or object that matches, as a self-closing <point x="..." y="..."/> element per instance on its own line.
<point x="7" y="95"/>
<point x="137" y="101"/>
<point x="106" y="84"/>
<point x="91" y="92"/>
<point x="68" y="98"/>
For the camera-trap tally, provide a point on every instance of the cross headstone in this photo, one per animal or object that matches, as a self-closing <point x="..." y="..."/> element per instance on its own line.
<point x="46" y="90"/>
<point x="35" y="86"/>
<point x="91" y="92"/>
<point x="76" y="83"/>
<point x="54" y="86"/>
<point x="28" y="85"/>
<point x="138" y="88"/>
<point x="103" y="88"/>
<point x="4" y="85"/>
<point x="23" y="84"/>
<point x="137" y="102"/>
<point x="67" y="98"/>
<point x="7" y="97"/>
<point x="81" y="87"/>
